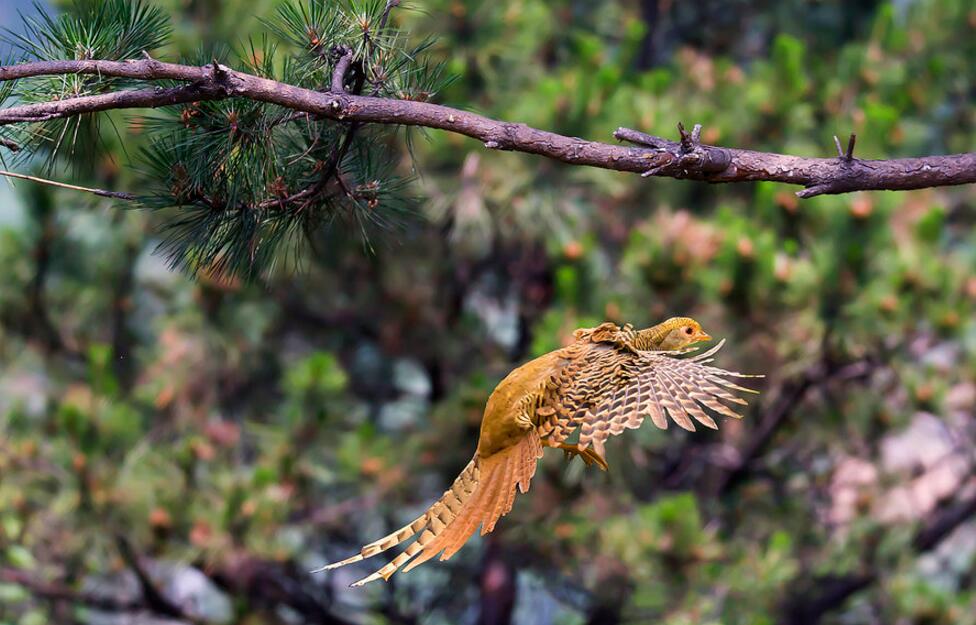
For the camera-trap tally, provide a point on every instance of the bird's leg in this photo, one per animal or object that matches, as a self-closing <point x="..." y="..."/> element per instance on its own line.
<point x="588" y="455"/>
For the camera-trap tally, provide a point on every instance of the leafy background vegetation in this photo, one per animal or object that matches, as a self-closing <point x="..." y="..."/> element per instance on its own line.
<point x="237" y="433"/>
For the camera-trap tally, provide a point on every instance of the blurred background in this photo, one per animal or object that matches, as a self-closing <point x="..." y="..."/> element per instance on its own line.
<point x="181" y="450"/>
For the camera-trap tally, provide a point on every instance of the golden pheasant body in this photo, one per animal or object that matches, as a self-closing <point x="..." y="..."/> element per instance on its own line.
<point x="608" y="380"/>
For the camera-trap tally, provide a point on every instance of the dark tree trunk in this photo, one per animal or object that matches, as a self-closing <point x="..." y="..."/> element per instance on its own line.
<point x="650" y="14"/>
<point x="497" y="587"/>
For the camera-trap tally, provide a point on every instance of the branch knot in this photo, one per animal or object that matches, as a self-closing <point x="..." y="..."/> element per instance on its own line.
<point x="687" y="158"/>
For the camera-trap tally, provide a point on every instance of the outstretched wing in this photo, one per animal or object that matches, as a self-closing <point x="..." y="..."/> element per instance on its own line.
<point x="660" y="385"/>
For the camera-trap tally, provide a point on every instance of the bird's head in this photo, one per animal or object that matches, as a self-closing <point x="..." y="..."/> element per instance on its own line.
<point x="675" y="333"/>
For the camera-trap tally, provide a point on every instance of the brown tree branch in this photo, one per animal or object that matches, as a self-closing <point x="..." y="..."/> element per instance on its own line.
<point x="153" y="597"/>
<point x="341" y="69"/>
<point x="939" y="526"/>
<point x="790" y="397"/>
<point x="818" y="595"/>
<point x="53" y="591"/>
<point x="268" y="584"/>
<point x="687" y="159"/>
<point x="390" y="5"/>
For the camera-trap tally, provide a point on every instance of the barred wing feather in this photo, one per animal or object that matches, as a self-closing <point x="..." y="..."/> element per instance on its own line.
<point x="660" y="386"/>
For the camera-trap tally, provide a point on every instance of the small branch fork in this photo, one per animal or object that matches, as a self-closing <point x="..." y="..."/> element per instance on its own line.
<point x="849" y="155"/>
<point x="686" y="158"/>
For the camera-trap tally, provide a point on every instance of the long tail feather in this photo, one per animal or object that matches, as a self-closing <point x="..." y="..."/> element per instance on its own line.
<point x="378" y="546"/>
<point x="484" y="492"/>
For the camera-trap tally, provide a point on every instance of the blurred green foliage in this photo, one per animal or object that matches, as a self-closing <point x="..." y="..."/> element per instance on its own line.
<point x="216" y="424"/>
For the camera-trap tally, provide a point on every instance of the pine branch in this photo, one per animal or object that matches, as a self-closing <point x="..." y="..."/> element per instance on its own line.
<point x="656" y="156"/>
<point x="390" y="5"/>
<point x="118" y="195"/>
<point x="341" y="69"/>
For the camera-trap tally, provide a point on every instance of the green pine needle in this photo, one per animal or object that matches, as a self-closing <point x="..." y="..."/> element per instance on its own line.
<point x="247" y="188"/>
<point x="93" y="29"/>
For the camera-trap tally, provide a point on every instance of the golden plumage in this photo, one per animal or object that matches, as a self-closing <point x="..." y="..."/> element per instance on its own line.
<point x="607" y="381"/>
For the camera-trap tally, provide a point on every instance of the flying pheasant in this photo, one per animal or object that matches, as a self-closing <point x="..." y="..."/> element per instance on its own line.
<point x="607" y="381"/>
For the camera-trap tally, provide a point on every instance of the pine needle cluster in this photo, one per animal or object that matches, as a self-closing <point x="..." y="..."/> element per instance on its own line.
<point x="247" y="187"/>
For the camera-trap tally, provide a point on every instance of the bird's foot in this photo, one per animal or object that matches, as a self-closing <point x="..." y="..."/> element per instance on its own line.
<point x="588" y="455"/>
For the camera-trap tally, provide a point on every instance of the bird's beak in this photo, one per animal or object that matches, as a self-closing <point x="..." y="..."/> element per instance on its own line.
<point x="702" y="336"/>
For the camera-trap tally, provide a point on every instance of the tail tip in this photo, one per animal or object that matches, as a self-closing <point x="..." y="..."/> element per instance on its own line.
<point x="327" y="567"/>
<point x="366" y="580"/>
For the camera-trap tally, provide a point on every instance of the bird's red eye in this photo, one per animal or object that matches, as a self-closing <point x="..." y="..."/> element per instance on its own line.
<point x="687" y="330"/>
